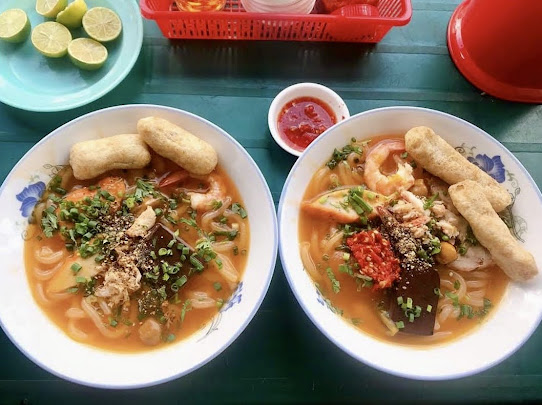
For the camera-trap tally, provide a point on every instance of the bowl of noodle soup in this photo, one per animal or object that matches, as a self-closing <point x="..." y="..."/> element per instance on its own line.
<point x="479" y="315"/>
<point x="189" y="308"/>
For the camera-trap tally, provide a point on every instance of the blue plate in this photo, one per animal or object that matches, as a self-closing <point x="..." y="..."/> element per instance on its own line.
<point x="33" y="82"/>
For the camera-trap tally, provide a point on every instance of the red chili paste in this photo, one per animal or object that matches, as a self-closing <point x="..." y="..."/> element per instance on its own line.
<point x="375" y="257"/>
<point x="303" y="119"/>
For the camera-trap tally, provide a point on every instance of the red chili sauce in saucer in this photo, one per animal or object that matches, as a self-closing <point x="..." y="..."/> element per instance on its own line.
<point x="303" y="119"/>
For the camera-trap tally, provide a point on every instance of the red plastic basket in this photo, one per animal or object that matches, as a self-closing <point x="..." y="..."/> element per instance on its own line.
<point x="234" y="23"/>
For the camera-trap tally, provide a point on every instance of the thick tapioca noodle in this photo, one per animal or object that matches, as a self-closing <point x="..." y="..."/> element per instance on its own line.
<point x="132" y="250"/>
<point x="396" y="254"/>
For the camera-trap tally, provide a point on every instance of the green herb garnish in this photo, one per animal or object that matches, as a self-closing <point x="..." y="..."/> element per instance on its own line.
<point x="186" y="307"/>
<point x="76" y="267"/>
<point x="238" y="209"/>
<point x="335" y="284"/>
<point x="342" y="154"/>
<point x="429" y="202"/>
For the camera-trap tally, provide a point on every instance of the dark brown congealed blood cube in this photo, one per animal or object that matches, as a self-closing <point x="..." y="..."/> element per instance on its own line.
<point x="419" y="285"/>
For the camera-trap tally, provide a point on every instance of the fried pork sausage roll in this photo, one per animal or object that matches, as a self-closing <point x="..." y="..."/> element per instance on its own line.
<point x="178" y="145"/>
<point x="92" y="158"/>
<point x="438" y="157"/>
<point x="470" y="200"/>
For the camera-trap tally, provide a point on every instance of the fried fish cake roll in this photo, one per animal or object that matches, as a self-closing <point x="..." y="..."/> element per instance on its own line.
<point x="92" y="158"/>
<point x="438" y="157"/>
<point x="470" y="200"/>
<point x="178" y="145"/>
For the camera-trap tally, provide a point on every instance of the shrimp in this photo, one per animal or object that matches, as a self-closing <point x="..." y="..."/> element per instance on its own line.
<point x="204" y="201"/>
<point x="114" y="185"/>
<point x="376" y="180"/>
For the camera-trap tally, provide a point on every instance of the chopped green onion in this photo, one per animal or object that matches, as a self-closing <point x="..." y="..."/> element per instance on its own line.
<point x="454" y="297"/>
<point x="400" y="325"/>
<point x="179" y="283"/>
<point x="76" y="267"/>
<point x="217" y="286"/>
<point x="196" y="263"/>
<point x="162" y="252"/>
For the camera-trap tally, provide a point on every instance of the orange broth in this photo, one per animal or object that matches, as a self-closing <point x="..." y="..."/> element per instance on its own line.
<point x="359" y="306"/>
<point x="194" y="319"/>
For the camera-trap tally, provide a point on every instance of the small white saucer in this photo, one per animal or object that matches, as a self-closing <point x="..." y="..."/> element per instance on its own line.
<point x="328" y="96"/>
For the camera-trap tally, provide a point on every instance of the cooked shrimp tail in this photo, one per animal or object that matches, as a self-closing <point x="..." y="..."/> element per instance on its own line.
<point x="380" y="182"/>
<point x="203" y="201"/>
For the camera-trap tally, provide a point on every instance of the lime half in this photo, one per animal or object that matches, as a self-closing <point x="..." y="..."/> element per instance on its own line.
<point x="72" y="16"/>
<point x="50" y="8"/>
<point x="87" y="54"/>
<point x="14" y="25"/>
<point x="102" y="24"/>
<point x="51" y="39"/>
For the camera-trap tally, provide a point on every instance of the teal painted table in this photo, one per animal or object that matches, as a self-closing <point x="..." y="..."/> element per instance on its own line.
<point x="282" y="357"/>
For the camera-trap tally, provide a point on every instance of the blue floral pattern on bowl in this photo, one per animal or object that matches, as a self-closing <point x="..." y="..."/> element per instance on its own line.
<point x="491" y="165"/>
<point x="496" y="169"/>
<point x="235" y="298"/>
<point x="322" y="300"/>
<point x="29" y="196"/>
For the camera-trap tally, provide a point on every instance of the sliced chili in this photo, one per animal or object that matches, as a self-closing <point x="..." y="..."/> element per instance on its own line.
<point x="375" y="257"/>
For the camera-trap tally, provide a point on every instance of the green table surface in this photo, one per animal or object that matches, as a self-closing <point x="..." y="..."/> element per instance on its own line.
<point x="281" y="356"/>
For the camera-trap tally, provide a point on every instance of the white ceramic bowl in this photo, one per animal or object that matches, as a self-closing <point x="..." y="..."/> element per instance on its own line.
<point x="43" y="342"/>
<point x="328" y="96"/>
<point x="509" y="325"/>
